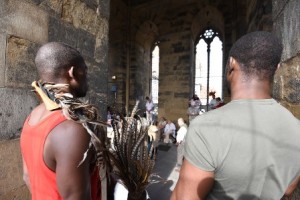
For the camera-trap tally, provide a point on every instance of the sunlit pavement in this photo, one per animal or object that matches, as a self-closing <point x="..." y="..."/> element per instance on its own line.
<point x="165" y="168"/>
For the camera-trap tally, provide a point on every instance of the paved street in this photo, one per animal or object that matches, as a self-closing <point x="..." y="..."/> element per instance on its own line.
<point x="164" y="167"/>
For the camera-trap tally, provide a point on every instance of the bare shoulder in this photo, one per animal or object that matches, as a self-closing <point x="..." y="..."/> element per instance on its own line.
<point x="69" y="139"/>
<point x="70" y="131"/>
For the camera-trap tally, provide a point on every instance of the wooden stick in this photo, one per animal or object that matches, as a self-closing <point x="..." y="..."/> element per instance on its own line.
<point x="50" y="105"/>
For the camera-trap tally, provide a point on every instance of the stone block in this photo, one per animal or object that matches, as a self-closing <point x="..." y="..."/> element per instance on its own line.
<point x="12" y="185"/>
<point x="86" y="43"/>
<point x="97" y="78"/>
<point x="104" y="8"/>
<point x="53" y="7"/>
<point x="91" y="4"/>
<point x="182" y="95"/>
<point x="79" y="15"/>
<point x="16" y="104"/>
<point x="24" y="20"/>
<point x="20" y="69"/>
<point x="62" y="32"/>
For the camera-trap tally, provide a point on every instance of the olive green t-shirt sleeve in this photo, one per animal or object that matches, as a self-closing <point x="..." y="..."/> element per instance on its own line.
<point x="197" y="149"/>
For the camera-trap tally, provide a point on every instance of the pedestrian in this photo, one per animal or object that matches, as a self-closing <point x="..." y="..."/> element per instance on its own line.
<point x="248" y="148"/>
<point x="149" y="110"/>
<point x="180" y="140"/>
<point x="169" y="132"/>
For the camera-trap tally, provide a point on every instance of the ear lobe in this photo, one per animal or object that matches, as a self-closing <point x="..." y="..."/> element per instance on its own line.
<point x="71" y="72"/>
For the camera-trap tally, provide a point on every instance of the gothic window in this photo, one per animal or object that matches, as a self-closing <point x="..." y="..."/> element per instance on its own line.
<point x="155" y="74"/>
<point x="208" y="66"/>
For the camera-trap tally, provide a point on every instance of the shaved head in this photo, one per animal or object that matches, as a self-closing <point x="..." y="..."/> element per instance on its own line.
<point x="258" y="53"/>
<point x="54" y="59"/>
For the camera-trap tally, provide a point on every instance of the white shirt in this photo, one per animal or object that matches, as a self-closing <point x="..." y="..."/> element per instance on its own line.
<point x="170" y="129"/>
<point x="149" y="105"/>
<point x="181" y="133"/>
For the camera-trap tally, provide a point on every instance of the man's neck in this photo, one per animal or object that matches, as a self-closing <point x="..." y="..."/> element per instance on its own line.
<point x="251" y="89"/>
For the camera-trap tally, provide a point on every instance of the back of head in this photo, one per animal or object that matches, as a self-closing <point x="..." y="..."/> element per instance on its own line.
<point x="258" y="54"/>
<point x="54" y="59"/>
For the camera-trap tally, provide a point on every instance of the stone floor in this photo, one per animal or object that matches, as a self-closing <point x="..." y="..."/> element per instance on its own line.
<point x="165" y="168"/>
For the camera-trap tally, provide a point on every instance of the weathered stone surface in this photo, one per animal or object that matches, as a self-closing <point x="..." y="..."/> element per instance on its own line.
<point x="2" y="59"/>
<point x="86" y="43"/>
<point x="24" y="20"/>
<point x="104" y="8"/>
<point x="16" y="104"/>
<point x="62" y="32"/>
<point x="12" y="185"/>
<point x="278" y="7"/>
<point x="20" y="69"/>
<point x="53" y="7"/>
<point x="287" y="28"/>
<point x="287" y="85"/>
<point x="81" y="16"/>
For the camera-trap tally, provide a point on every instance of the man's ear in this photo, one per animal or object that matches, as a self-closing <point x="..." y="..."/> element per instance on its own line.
<point x="230" y="66"/>
<point x="71" y="72"/>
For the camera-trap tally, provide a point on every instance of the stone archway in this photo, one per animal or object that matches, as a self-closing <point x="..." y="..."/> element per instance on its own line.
<point x="147" y="34"/>
<point x="140" y="71"/>
<point x="208" y="16"/>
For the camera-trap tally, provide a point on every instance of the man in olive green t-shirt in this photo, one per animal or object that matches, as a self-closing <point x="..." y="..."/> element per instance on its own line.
<point x="249" y="148"/>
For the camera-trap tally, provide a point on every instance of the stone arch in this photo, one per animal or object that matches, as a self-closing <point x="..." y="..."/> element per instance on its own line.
<point x="147" y="34"/>
<point x="208" y="17"/>
<point x="145" y="38"/>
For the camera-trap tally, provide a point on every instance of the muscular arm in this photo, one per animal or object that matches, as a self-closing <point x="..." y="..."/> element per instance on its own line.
<point x="193" y="183"/>
<point x="67" y="144"/>
<point x="292" y="187"/>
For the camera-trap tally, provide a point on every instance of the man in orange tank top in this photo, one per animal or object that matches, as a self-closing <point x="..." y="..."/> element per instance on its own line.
<point x="53" y="146"/>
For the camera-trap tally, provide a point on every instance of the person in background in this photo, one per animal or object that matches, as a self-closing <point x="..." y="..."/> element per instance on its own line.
<point x="154" y="137"/>
<point x="248" y="148"/>
<point x="169" y="132"/>
<point x="180" y="138"/>
<point x="213" y="101"/>
<point x="149" y="108"/>
<point x="161" y="126"/>
<point x="219" y="103"/>
<point x="196" y="101"/>
<point x="193" y="110"/>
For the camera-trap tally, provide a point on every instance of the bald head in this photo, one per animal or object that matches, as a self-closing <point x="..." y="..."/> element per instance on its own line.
<point x="54" y="59"/>
<point x="60" y="63"/>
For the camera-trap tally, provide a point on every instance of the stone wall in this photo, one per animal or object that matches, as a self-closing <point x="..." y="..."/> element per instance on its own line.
<point x="287" y="80"/>
<point x="118" y="43"/>
<point x="24" y="26"/>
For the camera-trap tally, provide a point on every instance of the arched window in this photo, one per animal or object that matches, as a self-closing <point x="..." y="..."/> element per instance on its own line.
<point x="155" y="74"/>
<point x="208" y="66"/>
